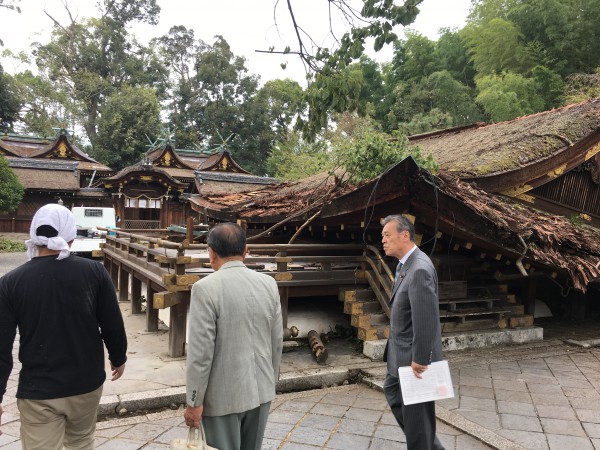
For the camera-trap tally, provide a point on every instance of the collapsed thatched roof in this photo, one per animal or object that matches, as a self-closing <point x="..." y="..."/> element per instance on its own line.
<point x="551" y="240"/>
<point x="276" y="200"/>
<point x="501" y="223"/>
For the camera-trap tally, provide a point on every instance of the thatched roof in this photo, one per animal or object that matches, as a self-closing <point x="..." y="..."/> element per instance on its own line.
<point x="551" y="239"/>
<point x="48" y="180"/>
<point x="479" y="151"/>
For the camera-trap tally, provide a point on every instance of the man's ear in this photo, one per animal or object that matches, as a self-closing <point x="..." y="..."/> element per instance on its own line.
<point x="244" y="252"/>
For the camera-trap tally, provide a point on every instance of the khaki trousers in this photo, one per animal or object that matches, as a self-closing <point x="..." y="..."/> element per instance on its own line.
<point x="68" y="421"/>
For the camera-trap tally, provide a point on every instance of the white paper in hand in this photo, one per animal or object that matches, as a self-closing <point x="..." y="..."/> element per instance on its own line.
<point x="436" y="384"/>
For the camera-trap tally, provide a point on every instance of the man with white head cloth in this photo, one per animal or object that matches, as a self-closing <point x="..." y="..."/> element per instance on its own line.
<point x="66" y="310"/>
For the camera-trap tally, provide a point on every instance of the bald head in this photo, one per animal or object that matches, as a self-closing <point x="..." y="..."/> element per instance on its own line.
<point x="227" y="240"/>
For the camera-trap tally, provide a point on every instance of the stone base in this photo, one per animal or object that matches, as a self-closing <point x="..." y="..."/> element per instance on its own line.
<point x="486" y="338"/>
<point x="374" y="349"/>
<point x="471" y="339"/>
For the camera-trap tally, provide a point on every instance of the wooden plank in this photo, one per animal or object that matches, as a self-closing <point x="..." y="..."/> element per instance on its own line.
<point x="452" y="289"/>
<point x="361" y="307"/>
<point x="353" y="295"/>
<point x="452" y="327"/>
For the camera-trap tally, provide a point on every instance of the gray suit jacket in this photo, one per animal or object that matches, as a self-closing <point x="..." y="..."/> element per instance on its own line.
<point x="415" y="317"/>
<point x="235" y="340"/>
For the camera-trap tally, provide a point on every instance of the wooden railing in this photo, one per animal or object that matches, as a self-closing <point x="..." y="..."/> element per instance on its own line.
<point x="169" y="269"/>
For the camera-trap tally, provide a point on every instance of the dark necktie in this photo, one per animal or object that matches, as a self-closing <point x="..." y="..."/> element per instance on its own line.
<point x="398" y="269"/>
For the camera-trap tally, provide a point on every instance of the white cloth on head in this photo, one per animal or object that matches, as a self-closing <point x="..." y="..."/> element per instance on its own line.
<point x="59" y="218"/>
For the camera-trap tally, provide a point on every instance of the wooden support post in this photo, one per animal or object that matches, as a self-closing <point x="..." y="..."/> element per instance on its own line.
<point x="123" y="284"/>
<point x="283" y="297"/>
<point x="189" y="229"/>
<point x="282" y="268"/>
<point x="150" y="257"/>
<point x="177" y="330"/>
<point x="151" y="313"/>
<point x="114" y="273"/>
<point x="136" y="295"/>
<point x="178" y="312"/>
<point x="530" y="296"/>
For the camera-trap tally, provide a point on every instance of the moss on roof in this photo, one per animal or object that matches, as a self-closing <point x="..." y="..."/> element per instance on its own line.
<point x="506" y="146"/>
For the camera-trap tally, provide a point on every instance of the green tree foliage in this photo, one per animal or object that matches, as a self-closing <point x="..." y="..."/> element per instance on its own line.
<point x="563" y="35"/>
<point x="438" y="101"/>
<point x="11" y="190"/>
<point x="88" y="61"/>
<point x="9" y="102"/>
<point x="452" y="55"/>
<point x="414" y="58"/>
<point x="424" y="122"/>
<point x="281" y="102"/>
<point x="213" y="99"/>
<point x="337" y="92"/>
<point x="126" y="118"/>
<point x="293" y="158"/>
<point x="365" y="152"/>
<point x="497" y="47"/>
<point x="43" y="108"/>
<point x="510" y="95"/>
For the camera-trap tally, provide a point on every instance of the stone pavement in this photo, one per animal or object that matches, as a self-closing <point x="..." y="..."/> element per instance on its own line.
<point x="543" y="395"/>
<point x="352" y="417"/>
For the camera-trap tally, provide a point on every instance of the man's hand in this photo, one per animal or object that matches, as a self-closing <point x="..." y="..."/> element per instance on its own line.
<point x="117" y="372"/>
<point x="193" y="415"/>
<point x="418" y="369"/>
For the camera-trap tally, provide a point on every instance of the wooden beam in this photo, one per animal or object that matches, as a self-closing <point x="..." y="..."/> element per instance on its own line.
<point x="167" y="299"/>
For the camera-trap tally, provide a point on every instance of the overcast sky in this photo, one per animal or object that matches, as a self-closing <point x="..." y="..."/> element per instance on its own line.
<point x="247" y="25"/>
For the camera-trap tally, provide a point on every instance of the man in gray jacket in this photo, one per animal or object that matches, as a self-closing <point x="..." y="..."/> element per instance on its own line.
<point x="415" y="336"/>
<point x="234" y="346"/>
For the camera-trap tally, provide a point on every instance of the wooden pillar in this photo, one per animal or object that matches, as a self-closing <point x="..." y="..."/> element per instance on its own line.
<point x="531" y="289"/>
<point x="114" y="273"/>
<point x="178" y="315"/>
<point x="283" y="297"/>
<point x="136" y="295"/>
<point x="282" y="266"/>
<point x="189" y="229"/>
<point x="151" y="313"/>
<point x="177" y="329"/>
<point x="123" y="284"/>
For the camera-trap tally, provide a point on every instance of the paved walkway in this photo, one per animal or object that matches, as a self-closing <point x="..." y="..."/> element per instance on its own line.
<point x="543" y="395"/>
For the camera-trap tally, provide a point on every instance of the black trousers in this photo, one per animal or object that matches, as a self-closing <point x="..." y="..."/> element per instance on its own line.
<point x="417" y="421"/>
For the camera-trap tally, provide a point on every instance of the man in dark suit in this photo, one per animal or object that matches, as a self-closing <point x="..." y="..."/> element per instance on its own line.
<point x="415" y="336"/>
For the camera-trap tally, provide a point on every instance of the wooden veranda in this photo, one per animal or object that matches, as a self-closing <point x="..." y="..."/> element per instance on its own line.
<point x="168" y="270"/>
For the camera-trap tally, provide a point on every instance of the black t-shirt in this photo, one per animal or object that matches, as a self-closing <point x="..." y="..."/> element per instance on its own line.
<point x="64" y="310"/>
